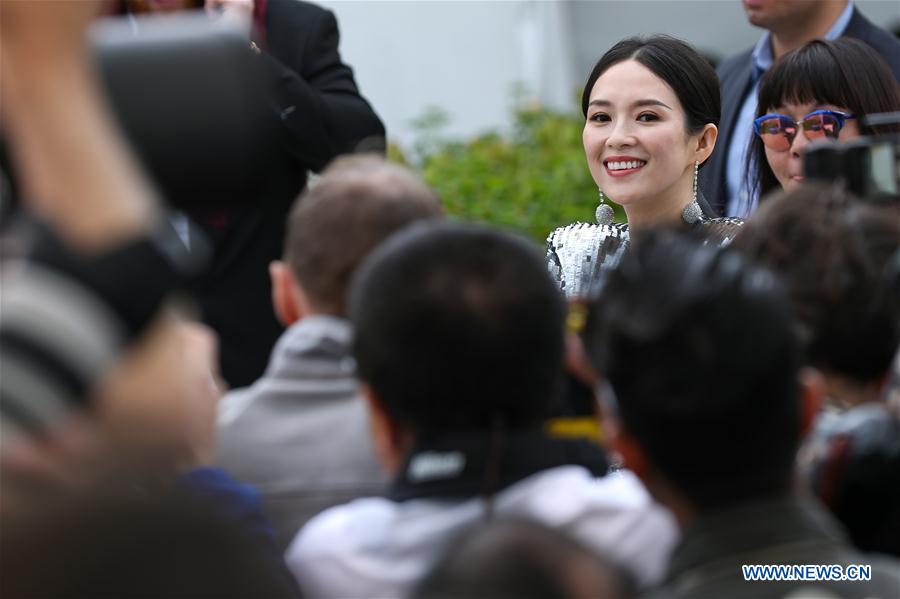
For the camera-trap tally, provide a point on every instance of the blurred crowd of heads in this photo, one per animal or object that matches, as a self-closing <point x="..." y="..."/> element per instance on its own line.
<point x="710" y="366"/>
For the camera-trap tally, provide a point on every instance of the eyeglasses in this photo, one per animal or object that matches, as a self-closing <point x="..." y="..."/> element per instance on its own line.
<point x="777" y="131"/>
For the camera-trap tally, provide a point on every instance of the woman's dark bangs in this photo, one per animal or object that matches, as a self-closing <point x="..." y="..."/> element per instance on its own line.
<point x="805" y="79"/>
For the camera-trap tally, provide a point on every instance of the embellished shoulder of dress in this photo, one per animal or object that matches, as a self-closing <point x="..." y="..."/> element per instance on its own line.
<point x="721" y="230"/>
<point x="582" y="230"/>
<point x="578" y="255"/>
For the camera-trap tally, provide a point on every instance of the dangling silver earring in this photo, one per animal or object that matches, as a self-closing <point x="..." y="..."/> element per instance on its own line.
<point x="692" y="212"/>
<point x="604" y="213"/>
<point x="696" y="173"/>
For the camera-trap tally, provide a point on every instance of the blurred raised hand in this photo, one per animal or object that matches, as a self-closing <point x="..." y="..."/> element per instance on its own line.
<point x="76" y="170"/>
<point x="159" y="404"/>
<point x="45" y="26"/>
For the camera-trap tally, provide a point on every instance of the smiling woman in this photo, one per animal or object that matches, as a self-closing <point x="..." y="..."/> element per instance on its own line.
<point x="651" y="110"/>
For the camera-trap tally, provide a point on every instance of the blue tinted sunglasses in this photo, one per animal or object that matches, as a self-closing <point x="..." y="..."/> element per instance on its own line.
<point x="777" y="131"/>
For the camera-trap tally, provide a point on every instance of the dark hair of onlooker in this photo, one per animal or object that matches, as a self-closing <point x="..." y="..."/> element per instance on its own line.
<point x="458" y="326"/>
<point x="358" y="203"/>
<point x="109" y="544"/>
<point x="838" y="257"/>
<point x="513" y="559"/>
<point x="696" y="345"/>
<point x="844" y="72"/>
<point x="690" y="76"/>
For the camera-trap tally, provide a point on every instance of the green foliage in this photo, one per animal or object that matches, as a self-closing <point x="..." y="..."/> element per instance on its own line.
<point x="534" y="180"/>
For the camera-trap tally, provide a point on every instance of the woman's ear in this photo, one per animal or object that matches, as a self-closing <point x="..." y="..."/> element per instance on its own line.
<point x="706" y="142"/>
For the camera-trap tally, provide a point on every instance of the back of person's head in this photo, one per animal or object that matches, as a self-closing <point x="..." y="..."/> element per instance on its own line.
<point x="696" y="346"/>
<point x="512" y="559"/>
<point x="358" y="202"/>
<point x="839" y="259"/>
<point x="679" y="65"/>
<point x="102" y="543"/>
<point x="458" y="326"/>
<point x="844" y="73"/>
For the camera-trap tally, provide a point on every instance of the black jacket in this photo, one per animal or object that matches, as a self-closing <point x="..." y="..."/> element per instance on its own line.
<point x="321" y="115"/>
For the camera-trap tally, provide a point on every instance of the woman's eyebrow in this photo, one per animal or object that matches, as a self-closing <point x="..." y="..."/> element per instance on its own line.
<point x="636" y="104"/>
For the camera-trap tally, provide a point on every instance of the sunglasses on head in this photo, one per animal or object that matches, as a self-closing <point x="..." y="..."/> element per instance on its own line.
<point x="777" y="131"/>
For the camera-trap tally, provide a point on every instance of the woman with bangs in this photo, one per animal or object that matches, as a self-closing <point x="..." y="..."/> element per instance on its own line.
<point x="651" y="108"/>
<point x="822" y="90"/>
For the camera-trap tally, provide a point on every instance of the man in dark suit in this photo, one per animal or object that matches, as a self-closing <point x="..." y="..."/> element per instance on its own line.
<point x="789" y="24"/>
<point x="322" y="115"/>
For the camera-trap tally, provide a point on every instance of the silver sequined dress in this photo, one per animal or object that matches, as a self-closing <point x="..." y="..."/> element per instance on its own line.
<point x="581" y="254"/>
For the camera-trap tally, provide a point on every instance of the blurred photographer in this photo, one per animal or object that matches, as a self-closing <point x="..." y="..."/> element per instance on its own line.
<point x="82" y="321"/>
<point x="840" y="259"/>
<point x="100" y="381"/>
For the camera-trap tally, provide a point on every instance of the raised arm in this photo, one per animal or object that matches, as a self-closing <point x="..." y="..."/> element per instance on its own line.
<point x="76" y="170"/>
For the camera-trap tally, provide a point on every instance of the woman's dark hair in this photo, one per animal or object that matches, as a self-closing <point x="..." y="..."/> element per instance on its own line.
<point x="844" y="72"/>
<point x="683" y="69"/>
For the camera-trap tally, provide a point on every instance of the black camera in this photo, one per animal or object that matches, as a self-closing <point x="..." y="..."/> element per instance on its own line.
<point x="193" y="100"/>
<point x="868" y="167"/>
